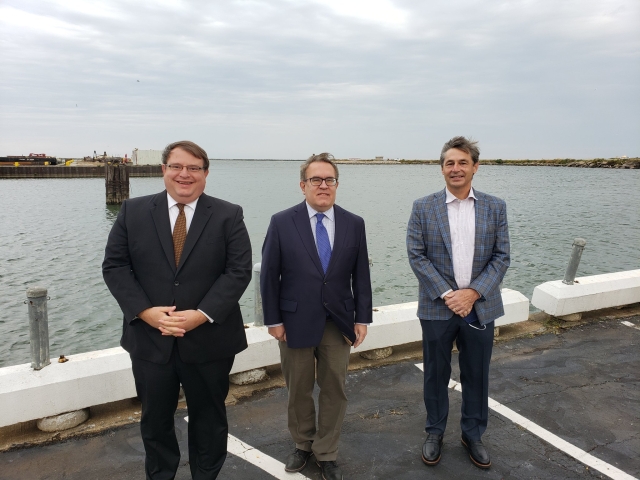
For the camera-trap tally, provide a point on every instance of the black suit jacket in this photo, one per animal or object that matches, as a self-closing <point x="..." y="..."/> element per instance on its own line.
<point x="214" y="270"/>
<point x="295" y="290"/>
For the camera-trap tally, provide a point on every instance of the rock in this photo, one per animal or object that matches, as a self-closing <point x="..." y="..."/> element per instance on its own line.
<point x="377" y="353"/>
<point x="247" y="378"/>
<point x="64" y="421"/>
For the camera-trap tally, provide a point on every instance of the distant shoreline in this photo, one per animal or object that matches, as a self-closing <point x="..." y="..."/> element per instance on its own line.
<point x="96" y="169"/>
<point x="622" y="163"/>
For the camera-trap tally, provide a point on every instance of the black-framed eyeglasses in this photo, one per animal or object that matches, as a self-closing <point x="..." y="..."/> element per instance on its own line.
<point x="317" y="181"/>
<point x="174" y="167"/>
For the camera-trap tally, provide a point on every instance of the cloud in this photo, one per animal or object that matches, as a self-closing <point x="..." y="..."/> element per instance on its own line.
<point x="285" y="77"/>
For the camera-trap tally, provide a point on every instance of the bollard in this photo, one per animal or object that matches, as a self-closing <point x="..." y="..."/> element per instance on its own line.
<point x="38" y="327"/>
<point x="258" y="315"/>
<point x="576" y="254"/>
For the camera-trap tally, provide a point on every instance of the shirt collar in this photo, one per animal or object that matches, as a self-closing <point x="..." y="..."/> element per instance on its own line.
<point x="329" y="213"/>
<point x="451" y="197"/>
<point x="172" y="202"/>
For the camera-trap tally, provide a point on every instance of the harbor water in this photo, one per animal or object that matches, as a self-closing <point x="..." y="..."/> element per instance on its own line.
<point x="53" y="233"/>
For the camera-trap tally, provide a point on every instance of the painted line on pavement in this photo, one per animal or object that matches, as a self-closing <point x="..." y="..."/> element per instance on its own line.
<point x="255" y="457"/>
<point x="547" y="436"/>
<point x="629" y="324"/>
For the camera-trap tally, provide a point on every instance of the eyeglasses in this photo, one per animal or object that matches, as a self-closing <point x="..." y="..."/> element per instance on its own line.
<point x="174" y="167"/>
<point x="317" y="181"/>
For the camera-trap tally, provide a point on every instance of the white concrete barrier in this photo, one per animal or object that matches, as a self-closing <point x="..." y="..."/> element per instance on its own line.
<point x="588" y="293"/>
<point x="105" y="376"/>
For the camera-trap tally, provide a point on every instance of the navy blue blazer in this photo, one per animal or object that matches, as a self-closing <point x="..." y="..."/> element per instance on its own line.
<point x="429" y="249"/>
<point x="297" y="293"/>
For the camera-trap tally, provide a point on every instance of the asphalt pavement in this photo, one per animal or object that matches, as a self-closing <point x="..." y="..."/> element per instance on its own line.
<point x="581" y="384"/>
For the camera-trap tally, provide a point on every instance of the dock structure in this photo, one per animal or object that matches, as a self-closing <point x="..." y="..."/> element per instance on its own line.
<point x="71" y="171"/>
<point x="116" y="179"/>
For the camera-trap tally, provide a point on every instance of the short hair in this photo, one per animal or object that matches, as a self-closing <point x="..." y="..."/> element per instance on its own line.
<point x="321" y="157"/>
<point x="189" y="147"/>
<point x="467" y="145"/>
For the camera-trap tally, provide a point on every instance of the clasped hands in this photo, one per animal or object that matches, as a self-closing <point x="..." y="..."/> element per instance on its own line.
<point x="461" y="301"/>
<point x="171" y="322"/>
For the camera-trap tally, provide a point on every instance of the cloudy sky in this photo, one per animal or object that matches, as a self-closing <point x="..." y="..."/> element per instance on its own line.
<point x="287" y="78"/>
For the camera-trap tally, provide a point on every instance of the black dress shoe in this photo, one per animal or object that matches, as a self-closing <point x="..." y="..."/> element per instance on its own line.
<point x="297" y="460"/>
<point x="432" y="449"/>
<point x="330" y="470"/>
<point x="477" y="453"/>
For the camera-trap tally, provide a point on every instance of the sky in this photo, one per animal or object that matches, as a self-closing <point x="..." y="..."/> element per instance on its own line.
<point x="288" y="78"/>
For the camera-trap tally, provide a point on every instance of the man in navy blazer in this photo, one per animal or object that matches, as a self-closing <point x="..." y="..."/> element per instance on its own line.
<point x="316" y="297"/>
<point x="458" y="246"/>
<point x="177" y="263"/>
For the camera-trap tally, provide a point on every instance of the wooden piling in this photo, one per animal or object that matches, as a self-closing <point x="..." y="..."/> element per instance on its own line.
<point x="116" y="177"/>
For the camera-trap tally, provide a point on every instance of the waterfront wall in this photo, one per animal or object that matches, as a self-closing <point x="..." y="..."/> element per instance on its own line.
<point x="42" y="171"/>
<point x="105" y="376"/>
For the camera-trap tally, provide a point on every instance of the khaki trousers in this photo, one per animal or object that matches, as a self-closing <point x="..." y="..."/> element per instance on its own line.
<point x="331" y="359"/>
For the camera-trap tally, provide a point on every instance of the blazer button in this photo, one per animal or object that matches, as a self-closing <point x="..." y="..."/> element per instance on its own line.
<point x="176" y="283"/>
<point x="325" y="304"/>
<point x="324" y="283"/>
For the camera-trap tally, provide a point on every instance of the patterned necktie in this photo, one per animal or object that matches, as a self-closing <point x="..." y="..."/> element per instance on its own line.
<point x="324" y="246"/>
<point x="179" y="233"/>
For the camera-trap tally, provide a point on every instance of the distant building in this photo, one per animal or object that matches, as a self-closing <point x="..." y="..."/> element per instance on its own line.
<point x="379" y="159"/>
<point x="146" y="157"/>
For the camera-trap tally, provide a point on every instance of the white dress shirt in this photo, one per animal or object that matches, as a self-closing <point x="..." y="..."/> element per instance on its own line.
<point x="189" y="210"/>
<point x="462" y="227"/>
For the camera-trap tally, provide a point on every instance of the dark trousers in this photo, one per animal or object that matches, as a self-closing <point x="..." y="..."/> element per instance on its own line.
<point x="474" y="348"/>
<point x="205" y="386"/>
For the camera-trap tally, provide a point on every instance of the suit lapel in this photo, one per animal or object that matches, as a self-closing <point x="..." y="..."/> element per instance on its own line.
<point x="303" y="225"/>
<point x="481" y="222"/>
<point x="200" y="219"/>
<point x="340" y="220"/>
<point x="160" y="215"/>
<point x="443" y="220"/>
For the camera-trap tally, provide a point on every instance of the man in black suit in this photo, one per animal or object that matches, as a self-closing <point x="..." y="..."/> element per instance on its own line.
<point x="316" y="297"/>
<point x="177" y="263"/>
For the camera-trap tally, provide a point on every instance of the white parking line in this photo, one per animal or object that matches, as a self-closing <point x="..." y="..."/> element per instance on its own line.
<point x="629" y="324"/>
<point x="559" y="443"/>
<point x="264" y="462"/>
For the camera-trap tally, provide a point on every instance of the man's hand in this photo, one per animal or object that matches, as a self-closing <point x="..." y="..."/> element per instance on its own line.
<point x="361" y="332"/>
<point x="153" y="315"/>
<point x="461" y="302"/>
<point x="278" y="333"/>
<point x="179" y="323"/>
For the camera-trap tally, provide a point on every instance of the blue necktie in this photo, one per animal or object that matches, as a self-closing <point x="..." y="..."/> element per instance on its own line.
<point x="324" y="246"/>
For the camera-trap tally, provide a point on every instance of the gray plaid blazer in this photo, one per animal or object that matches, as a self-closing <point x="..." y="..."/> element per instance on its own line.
<point x="429" y="249"/>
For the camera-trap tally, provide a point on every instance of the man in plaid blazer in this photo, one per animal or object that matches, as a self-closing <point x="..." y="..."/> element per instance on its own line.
<point x="458" y="246"/>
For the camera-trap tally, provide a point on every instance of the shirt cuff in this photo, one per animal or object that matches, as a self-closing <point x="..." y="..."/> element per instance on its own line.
<point x="446" y="293"/>
<point x="274" y="325"/>
<point x="208" y="317"/>
<point x="366" y="324"/>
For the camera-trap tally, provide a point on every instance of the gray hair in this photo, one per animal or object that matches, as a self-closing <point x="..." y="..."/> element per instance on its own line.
<point x="321" y="157"/>
<point x="467" y="145"/>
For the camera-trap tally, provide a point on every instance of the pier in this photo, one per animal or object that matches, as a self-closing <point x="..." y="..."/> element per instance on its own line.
<point x="563" y="394"/>
<point x="61" y="171"/>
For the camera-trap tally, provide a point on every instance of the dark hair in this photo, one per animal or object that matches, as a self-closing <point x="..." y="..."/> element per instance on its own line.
<point x="321" y="157"/>
<point x="461" y="143"/>
<point x="187" y="146"/>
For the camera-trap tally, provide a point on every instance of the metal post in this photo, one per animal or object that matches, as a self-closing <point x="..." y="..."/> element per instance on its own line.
<point x="38" y="327"/>
<point x="258" y="316"/>
<point x="576" y="254"/>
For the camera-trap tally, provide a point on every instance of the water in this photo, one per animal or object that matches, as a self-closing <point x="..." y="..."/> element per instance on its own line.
<point x="53" y="233"/>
